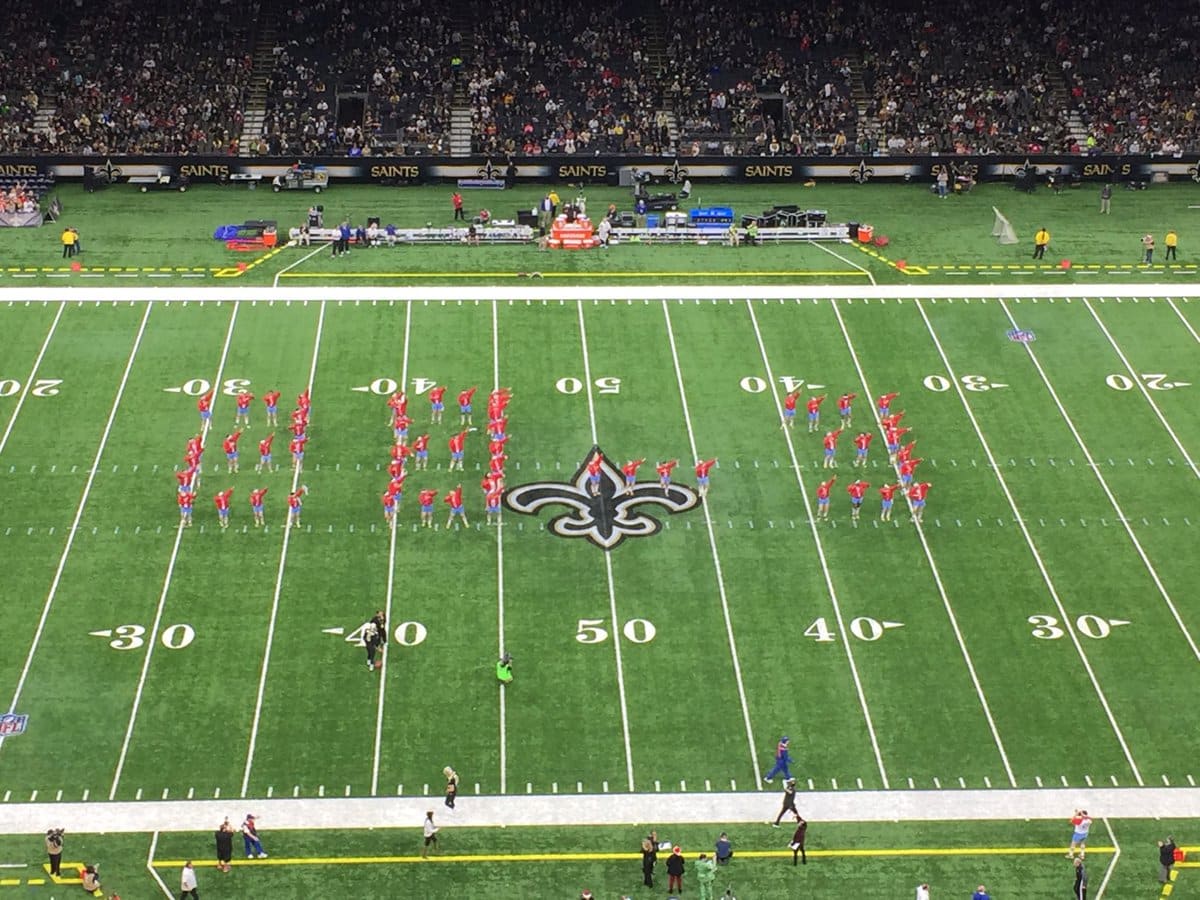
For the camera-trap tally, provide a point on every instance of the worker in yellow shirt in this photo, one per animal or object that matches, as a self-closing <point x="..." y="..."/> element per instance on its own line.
<point x="68" y="242"/>
<point x="1172" y="241"/>
<point x="1040" y="240"/>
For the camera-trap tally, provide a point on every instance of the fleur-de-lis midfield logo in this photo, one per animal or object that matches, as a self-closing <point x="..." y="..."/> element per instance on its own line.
<point x="608" y="516"/>
<point x="488" y="171"/>
<point x="862" y="173"/>
<point x="675" y="173"/>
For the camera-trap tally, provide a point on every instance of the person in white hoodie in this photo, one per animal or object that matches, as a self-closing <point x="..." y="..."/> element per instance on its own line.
<point x="187" y="882"/>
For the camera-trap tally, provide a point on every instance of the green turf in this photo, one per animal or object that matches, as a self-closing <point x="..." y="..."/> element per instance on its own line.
<point x="129" y="236"/>
<point x="977" y="680"/>
<point x="307" y="862"/>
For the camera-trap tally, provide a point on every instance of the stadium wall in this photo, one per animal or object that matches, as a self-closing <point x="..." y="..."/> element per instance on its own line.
<point x="618" y="169"/>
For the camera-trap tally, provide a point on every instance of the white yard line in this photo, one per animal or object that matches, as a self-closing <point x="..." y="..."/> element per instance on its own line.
<point x="152" y="639"/>
<point x="1067" y="620"/>
<point x="286" y="814"/>
<point x="612" y="594"/>
<point x="29" y="381"/>
<point x="287" y="533"/>
<point x="712" y="543"/>
<point x="866" y="272"/>
<point x="305" y="258"/>
<point x="1112" y="863"/>
<point x="843" y="631"/>
<point x="74" y="529"/>
<point x="1183" y="319"/>
<point x="500" y="572"/>
<point x="391" y="581"/>
<point x="1136" y="378"/>
<point x="154" y="872"/>
<point x="1095" y="468"/>
<point x="933" y="568"/>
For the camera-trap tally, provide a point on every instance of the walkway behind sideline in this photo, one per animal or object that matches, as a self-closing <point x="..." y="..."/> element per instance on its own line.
<point x="602" y="809"/>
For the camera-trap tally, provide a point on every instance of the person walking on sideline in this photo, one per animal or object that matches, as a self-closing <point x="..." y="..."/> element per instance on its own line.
<point x="430" y="831"/>
<point x="797" y="848"/>
<point x="1079" y="889"/>
<point x="789" y="802"/>
<point x="1148" y="248"/>
<point x="1040" y="241"/>
<point x="675" y="867"/>
<point x="649" y="858"/>
<point x="451" y="785"/>
<point x="1106" y="200"/>
<point x="187" y="882"/>
<point x="1166" y="859"/>
<point x="251" y="840"/>
<point x="456" y="201"/>
<point x="1172" y="242"/>
<point x="224" y="839"/>
<point x="782" y="760"/>
<point x="706" y="874"/>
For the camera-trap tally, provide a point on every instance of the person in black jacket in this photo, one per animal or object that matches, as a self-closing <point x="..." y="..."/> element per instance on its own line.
<point x="224" y="837"/>
<point x="675" y="871"/>
<point x="1166" y="859"/>
<point x="789" y="801"/>
<point x="1079" y="889"/>
<point x="649" y="858"/>
<point x="797" y="844"/>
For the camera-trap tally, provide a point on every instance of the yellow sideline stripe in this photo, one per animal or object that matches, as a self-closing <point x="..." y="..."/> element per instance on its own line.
<point x="596" y="856"/>
<point x="771" y="274"/>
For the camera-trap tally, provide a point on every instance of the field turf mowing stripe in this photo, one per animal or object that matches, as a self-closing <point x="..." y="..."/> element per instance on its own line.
<point x="1141" y="386"/>
<point x="1037" y="558"/>
<point x="870" y="401"/>
<point x="816" y="536"/>
<point x="1166" y="597"/>
<point x="266" y="659"/>
<point x="166" y="585"/>
<point x="62" y="562"/>
<point x="28" y="383"/>
<point x="712" y="542"/>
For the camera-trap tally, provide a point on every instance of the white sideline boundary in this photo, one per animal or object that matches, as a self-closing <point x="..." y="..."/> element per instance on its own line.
<point x="494" y="811"/>
<point x="915" y="290"/>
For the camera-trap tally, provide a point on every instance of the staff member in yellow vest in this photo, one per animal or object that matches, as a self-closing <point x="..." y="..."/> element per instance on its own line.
<point x="68" y="242"/>
<point x="1171" y="241"/>
<point x="1040" y="240"/>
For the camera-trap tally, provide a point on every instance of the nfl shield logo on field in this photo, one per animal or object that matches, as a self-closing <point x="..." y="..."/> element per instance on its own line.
<point x="11" y="723"/>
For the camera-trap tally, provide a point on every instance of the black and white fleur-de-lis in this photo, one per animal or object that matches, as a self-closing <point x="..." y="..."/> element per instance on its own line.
<point x="488" y="171"/>
<point x="1025" y="169"/>
<point x="1194" y="173"/>
<point x="862" y="173"/>
<point x="111" y="173"/>
<point x="675" y="173"/>
<point x="608" y="516"/>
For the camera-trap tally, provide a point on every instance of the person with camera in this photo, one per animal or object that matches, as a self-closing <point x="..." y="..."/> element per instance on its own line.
<point x="91" y="879"/>
<point x="54" y="847"/>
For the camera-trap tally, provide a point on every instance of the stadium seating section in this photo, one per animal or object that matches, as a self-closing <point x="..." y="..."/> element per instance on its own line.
<point x="534" y="77"/>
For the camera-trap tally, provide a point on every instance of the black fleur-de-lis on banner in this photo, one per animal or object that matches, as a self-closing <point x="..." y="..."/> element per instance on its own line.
<point x="675" y="173"/>
<point x="862" y="173"/>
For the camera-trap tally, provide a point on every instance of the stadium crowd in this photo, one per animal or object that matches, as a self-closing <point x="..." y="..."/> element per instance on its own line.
<point x="553" y="77"/>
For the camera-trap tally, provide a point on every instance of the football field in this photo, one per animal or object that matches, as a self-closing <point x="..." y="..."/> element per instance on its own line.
<point x="1038" y="628"/>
